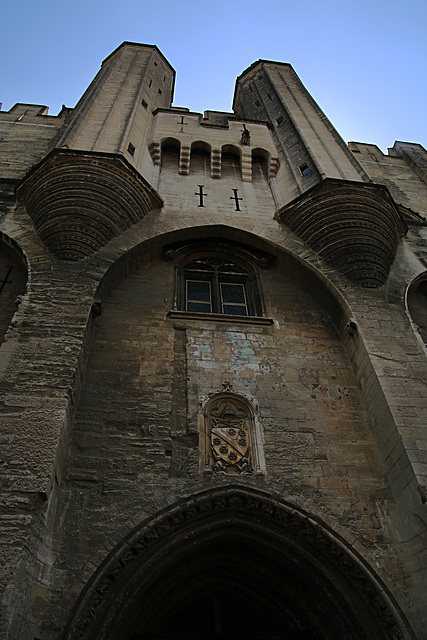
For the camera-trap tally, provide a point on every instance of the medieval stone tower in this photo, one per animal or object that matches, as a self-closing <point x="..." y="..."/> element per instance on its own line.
<point x="213" y="370"/>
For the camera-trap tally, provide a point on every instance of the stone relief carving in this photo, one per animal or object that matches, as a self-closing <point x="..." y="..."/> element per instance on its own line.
<point x="288" y="522"/>
<point x="229" y="428"/>
<point x="230" y="436"/>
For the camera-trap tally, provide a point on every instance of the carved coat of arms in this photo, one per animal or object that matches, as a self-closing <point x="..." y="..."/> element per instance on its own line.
<point x="230" y="439"/>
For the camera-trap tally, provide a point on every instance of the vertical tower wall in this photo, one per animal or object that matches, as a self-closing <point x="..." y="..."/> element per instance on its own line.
<point x="310" y="146"/>
<point x="114" y="114"/>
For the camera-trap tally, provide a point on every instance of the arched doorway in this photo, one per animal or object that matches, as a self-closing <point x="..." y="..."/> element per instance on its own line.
<point x="417" y="305"/>
<point x="235" y="562"/>
<point x="13" y="281"/>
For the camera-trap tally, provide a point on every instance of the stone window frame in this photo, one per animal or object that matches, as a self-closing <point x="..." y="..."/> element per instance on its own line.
<point x="217" y="271"/>
<point x="248" y="262"/>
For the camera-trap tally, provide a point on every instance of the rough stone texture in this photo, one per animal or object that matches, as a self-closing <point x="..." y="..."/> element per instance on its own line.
<point x="109" y="520"/>
<point x="79" y="202"/>
<point x="404" y="174"/>
<point x="272" y="92"/>
<point x="356" y="228"/>
<point x="27" y="134"/>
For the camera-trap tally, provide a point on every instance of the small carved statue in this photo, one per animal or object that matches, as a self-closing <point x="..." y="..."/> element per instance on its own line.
<point x="246" y="137"/>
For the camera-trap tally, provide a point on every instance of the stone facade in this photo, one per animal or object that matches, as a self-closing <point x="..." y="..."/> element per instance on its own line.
<point x="213" y="367"/>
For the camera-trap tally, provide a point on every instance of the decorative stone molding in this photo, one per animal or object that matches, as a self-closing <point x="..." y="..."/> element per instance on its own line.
<point x="274" y="166"/>
<point x="356" y="227"/>
<point x="268" y="523"/>
<point x="246" y="166"/>
<point x="80" y="200"/>
<point x="184" y="160"/>
<point x="216" y="163"/>
<point x="155" y="151"/>
<point x="230" y="436"/>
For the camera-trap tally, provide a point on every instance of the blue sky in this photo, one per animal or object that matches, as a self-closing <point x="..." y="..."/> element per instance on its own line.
<point x="363" y="61"/>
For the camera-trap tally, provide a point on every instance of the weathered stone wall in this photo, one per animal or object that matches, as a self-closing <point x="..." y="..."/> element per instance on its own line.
<point x="39" y="368"/>
<point x="102" y="388"/>
<point x="310" y="148"/>
<point x="126" y="463"/>
<point x="395" y="172"/>
<point x="27" y="134"/>
<point x="128" y="459"/>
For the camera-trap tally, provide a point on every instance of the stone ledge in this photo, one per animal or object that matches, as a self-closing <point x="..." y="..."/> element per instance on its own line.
<point x="219" y="317"/>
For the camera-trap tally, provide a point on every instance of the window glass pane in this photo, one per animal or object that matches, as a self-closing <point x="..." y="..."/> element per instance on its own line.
<point x="201" y="307"/>
<point x="234" y="293"/>
<point x="233" y="299"/>
<point x="198" y="296"/>
<point x="235" y="309"/>
<point x="197" y="290"/>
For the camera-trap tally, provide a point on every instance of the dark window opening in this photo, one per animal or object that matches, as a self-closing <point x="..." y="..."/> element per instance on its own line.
<point x="257" y="103"/>
<point x="233" y="298"/>
<point x="5" y="276"/>
<point x="131" y="149"/>
<point x="160" y="91"/>
<point x="215" y="285"/>
<point x="417" y="306"/>
<point x="150" y="83"/>
<point x="13" y="278"/>
<point x="144" y="104"/>
<point x="198" y="296"/>
<point x="304" y="169"/>
<point x="279" y="120"/>
<point x="218" y="279"/>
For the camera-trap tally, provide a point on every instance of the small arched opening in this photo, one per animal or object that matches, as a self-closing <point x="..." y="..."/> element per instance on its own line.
<point x="230" y="162"/>
<point x="170" y="153"/>
<point x="13" y="281"/>
<point x="417" y="305"/>
<point x="260" y="165"/>
<point x="200" y="161"/>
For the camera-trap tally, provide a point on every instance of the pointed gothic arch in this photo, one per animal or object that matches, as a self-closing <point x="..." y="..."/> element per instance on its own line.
<point x="301" y="579"/>
<point x="13" y="281"/>
<point x="416" y="304"/>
